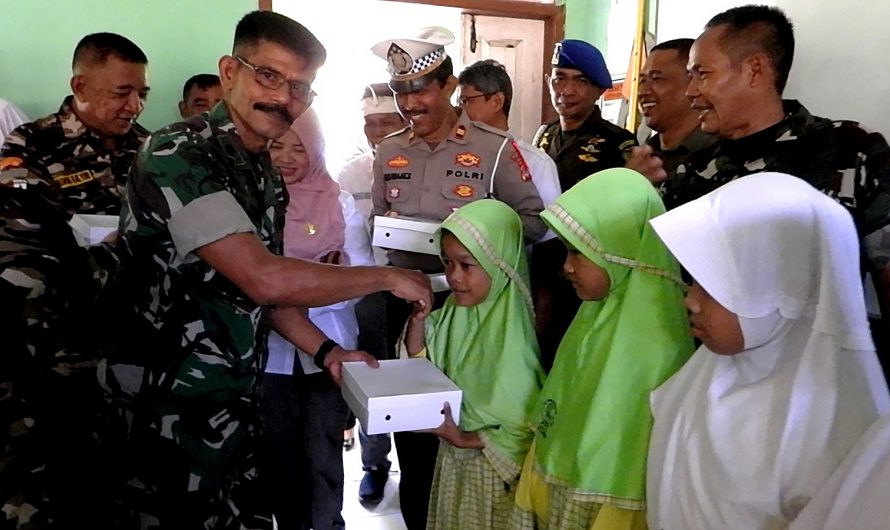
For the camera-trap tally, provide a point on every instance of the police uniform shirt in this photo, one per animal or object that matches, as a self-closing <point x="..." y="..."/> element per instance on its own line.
<point x="81" y="174"/>
<point x="594" y="146"/>
<point x="414" y="180"/>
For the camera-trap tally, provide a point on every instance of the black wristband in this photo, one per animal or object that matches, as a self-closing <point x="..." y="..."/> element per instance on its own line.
<point x="323" y="352"/>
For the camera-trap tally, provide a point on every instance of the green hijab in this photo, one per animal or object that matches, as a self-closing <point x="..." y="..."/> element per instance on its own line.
<point x="592" y="416"/>
<point x="489" y="350"/>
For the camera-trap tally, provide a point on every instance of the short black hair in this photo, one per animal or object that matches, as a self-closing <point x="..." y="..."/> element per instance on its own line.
<point x="258" y="26"/>
<point x="95" y="48"/>
<point x="681" y="46"/>
<point x="489" y="77"/>
<point x="755" y="28"/>
<point x="202" y="81"/>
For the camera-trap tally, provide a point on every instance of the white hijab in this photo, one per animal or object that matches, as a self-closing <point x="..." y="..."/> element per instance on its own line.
<point x="857" y="496"/>
<point x="745" y="441"/>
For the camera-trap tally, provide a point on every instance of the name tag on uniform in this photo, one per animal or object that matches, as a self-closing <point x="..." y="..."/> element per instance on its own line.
<point x="74" y="179"/>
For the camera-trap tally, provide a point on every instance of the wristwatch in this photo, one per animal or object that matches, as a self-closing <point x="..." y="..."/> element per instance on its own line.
<point x="323" y="352"/>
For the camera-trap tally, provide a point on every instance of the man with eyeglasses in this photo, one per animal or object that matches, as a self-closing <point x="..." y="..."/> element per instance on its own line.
<point x="486" y="94"/>
<point x="442" y="161"/>
<point x="202" y="282"/>
<point x="80" y="155"/>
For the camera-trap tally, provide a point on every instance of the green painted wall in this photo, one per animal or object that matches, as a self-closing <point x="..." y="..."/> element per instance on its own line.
<point x="180" y="38"/>
<point x="589" y="20"/>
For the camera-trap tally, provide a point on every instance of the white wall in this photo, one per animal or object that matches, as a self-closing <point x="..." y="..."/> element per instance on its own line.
<point x="841" y="68"/>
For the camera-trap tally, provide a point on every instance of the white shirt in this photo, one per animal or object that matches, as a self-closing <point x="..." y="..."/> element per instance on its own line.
<point x="545" y="176"/>
<point x="10" y="118"/>
<point x="337" y="321"/>
<point x="355" y="178"/>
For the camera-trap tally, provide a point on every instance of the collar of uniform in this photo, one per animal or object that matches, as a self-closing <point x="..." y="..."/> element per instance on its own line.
<point x="73" y="128"/>
<point x="592" y="121"/>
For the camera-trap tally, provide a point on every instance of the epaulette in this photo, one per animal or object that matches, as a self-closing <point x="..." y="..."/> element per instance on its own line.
<point x="485" y="127"/>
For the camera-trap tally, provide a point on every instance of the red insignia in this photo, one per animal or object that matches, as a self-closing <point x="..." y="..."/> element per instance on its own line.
<point x="394" y="193"/>
<point x="463" y="191"/>
<point x="460" y="132"/>
<point x="524" y="172"/>
<point x="467" y="159"/>
<point x="398" y="162"/>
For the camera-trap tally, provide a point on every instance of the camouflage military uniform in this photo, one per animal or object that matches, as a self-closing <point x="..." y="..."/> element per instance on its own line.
<point x="840" y="158"/>
<point x="82" y="175"/>
<point x="50" y="474"/>
<point x="186" y="372"/>
<point x="594" y="146"/>
<point x="694" y="142"/>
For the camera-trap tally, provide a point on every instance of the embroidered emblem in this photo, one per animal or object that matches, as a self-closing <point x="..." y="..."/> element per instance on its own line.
<point x="398" y="162"/>
<point x="400" y="61"/>
<point x="394" y="193"/>
<point x="464" y="191"/>
<point x="517" y="157"/>
<point x="467" y="159"/>
<point x="584" y="157"/>
<point x="548" y="417"/>
<point x="545" y="142"/>
<point x="460" y="132"/>
<point x="74" y="179"/>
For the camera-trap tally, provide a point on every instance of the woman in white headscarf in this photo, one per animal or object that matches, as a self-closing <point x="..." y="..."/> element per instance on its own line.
<point x="786" y="380"/>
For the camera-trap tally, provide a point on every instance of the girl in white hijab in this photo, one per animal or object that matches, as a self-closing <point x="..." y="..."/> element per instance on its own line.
<point x="786" y="380"/>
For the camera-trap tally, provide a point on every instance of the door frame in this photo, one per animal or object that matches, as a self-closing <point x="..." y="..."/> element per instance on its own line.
<point x="554" y="18"/>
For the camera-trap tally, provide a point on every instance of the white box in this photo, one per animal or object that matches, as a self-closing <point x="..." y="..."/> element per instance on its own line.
<point x="400" y="395"/>
<point x="406" y="233"/>
<point x="90" y="230"/>
<point x="439" y="282"/>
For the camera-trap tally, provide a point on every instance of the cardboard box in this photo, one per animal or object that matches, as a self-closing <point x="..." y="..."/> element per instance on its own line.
<point x="90" y="230"/>
<point x="406" y="233"/>
<point x="400" y="395"/>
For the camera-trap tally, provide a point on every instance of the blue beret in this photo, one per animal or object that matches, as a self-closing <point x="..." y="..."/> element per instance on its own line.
<point x="583" y="56"/>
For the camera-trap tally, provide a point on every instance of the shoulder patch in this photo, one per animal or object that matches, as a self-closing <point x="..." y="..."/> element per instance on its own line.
<point x="517" y="157"/>
<point x="10" y="162"/>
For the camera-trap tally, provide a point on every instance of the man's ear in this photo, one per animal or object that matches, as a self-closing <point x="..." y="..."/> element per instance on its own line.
<point x="500" y="99"/>
<point x="227" y="67"/>
<point x="78" y="83"/>
<point x="759" y="70"/>
<point x="450" y="86"/>
<point x="182" y="107"/>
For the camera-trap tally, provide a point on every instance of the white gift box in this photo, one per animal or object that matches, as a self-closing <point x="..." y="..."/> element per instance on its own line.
<point x="400" y="395"/>
<point x="406" y="233"/>
<point x="439" y="282"/>
<point x="90" y="230"/>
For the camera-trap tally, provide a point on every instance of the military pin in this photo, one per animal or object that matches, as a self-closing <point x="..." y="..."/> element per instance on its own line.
<point x="311" y="229"/>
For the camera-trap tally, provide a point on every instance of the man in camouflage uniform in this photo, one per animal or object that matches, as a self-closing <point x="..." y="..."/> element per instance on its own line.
<point x="81" y="155"/>
<point x="204" y="271"/>
<point x="49" y="397"/>
<point x="739" y="67"/>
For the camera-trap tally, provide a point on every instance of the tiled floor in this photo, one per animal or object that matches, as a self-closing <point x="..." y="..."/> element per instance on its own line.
<point x="384" y="516"/>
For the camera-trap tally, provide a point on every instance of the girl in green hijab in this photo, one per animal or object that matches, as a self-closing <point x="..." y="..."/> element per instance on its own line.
<point x="483" y="339"/>
<point x="587" y="467"/>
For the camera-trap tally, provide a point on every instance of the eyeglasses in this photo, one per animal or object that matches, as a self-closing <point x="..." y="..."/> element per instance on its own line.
<point x="464" y="99"/>
<point x="273" y="80"/>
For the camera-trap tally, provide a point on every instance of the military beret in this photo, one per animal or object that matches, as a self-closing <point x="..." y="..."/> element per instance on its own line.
<point x="583" y="56"/>
<point x="410" y="59"/>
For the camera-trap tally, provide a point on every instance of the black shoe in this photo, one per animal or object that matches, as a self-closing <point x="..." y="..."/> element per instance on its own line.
<point x="370" y="491"/>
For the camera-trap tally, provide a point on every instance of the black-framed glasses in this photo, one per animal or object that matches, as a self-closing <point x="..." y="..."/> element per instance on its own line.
<point x="273" y="80"/>
<point x="464" y="99"/>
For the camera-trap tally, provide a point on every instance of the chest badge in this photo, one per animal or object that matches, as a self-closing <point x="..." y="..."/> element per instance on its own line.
<point x="398" y="162"/>
<point x="467" y="159"/>
<point x="464" y="191"/>
<point x="394" y="193"/>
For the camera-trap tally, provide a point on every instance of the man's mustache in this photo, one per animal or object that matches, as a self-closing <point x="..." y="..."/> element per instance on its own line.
<point x="280" y="110"/>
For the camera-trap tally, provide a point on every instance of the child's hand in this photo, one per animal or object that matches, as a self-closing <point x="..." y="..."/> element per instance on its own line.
<point x="450" y="432"/>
